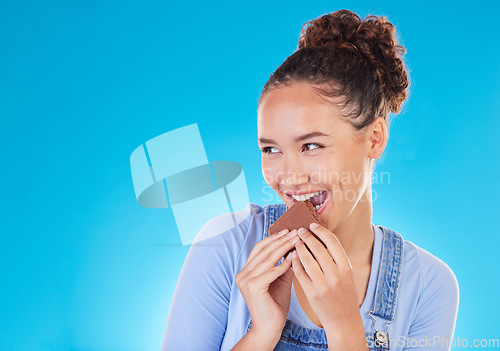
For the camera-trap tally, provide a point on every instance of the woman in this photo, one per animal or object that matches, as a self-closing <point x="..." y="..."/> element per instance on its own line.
<point x="323" y="120"/>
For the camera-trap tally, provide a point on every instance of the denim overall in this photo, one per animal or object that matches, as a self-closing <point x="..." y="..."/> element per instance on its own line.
<point x="297" y="337"/>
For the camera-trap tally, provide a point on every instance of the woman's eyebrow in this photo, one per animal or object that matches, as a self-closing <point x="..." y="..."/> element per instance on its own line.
<point x="297" y="139"/>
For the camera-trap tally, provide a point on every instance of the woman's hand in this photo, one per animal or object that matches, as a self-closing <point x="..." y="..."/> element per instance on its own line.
<point x="266" y="288"/>
<point x="328" y="282"/>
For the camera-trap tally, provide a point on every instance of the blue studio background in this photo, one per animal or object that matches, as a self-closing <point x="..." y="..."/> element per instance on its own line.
<point x="83" y="83"/>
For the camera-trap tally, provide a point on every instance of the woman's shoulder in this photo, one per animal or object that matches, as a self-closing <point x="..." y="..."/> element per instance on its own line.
<point x="431" y="268"/>
<point x="429" y="293"/>
<point x="232" y="227"/>
<point x="431" y="279"/>
<point x="215" y="251"/>
<point x="424" y="270"/>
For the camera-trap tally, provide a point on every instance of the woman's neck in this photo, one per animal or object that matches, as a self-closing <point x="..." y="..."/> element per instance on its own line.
<point x="356" y="233"/>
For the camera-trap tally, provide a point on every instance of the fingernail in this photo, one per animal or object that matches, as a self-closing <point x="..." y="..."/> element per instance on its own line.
<point x="314" y="225"/>
<point x="292" y="233"/>
<point x="301" y="231"/>
<point x="291" y="255"/>
<point x="298" y="242"/>
<point x="283" y="232"/>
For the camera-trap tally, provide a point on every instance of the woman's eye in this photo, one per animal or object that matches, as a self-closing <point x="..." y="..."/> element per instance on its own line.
<point x="266" y="150"/>
<point x="318" y="146"/>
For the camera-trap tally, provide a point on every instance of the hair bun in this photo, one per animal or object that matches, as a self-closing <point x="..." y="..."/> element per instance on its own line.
<point x="374" y="37"/>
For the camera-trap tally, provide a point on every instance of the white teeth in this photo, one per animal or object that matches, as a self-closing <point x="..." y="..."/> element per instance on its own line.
<point x="306" y="196"/>
<point x="317" y="207"/>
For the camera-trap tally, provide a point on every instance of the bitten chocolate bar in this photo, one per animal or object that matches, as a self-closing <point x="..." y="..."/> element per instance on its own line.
<point x="300" y="215"/>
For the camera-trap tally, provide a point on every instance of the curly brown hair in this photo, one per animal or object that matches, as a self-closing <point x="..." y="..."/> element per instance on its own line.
<point x="355" y="64"/>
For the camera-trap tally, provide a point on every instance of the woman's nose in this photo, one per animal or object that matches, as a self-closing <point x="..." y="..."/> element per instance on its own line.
<point x="295" y="174"/>
<point x="295" y="178"/>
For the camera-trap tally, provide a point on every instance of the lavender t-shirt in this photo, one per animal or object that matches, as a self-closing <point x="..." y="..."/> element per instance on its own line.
<point x="208" y="311"/>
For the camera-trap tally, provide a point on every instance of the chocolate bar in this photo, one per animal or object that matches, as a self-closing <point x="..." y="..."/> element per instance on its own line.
<point x="300" y="215"/>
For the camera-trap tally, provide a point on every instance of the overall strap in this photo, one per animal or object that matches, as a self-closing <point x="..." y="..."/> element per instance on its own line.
<point x="271" y="213"/>
<point x="386" y="291"/>
<point x="389" y="276"/>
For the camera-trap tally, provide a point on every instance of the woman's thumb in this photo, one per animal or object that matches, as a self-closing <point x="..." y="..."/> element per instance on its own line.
<point x="288" y="276"/>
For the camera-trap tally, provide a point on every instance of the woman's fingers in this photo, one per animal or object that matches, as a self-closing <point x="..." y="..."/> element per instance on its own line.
<point x="267" y="257"/>
<point x="308" y="262"/>
<point x="300" y="272"/>
<point x="264" y="242"/>
<point x="333" y="245"/>
<point x="318" y="261"/>
<point x="272" y="274"/>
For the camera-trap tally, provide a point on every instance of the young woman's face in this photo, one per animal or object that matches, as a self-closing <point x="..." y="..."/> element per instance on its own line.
<point x="293" y="162"/>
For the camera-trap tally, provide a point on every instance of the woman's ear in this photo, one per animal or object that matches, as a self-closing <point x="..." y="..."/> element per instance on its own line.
<point x="377" y="138"/>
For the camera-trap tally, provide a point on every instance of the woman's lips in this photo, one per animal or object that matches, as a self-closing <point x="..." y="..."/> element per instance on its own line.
<point x="323" y="206"/>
